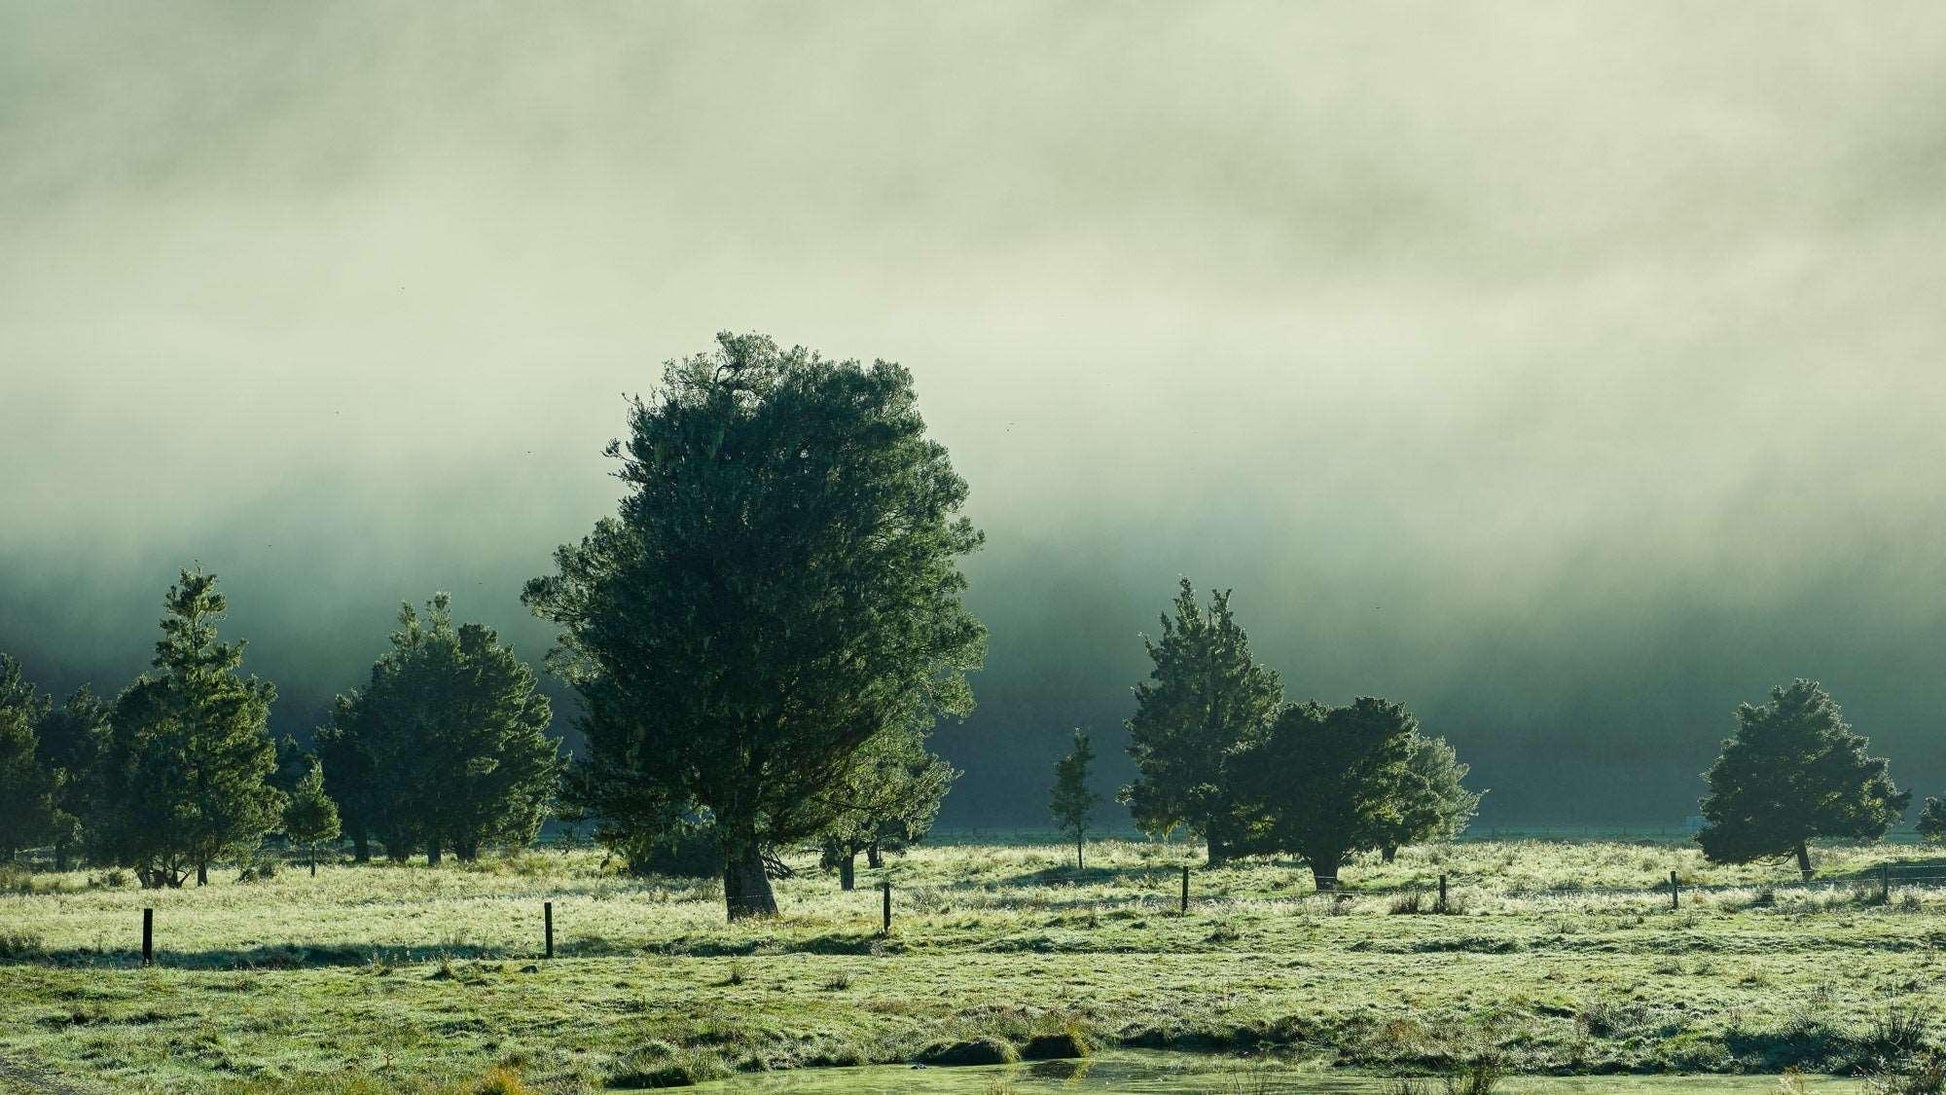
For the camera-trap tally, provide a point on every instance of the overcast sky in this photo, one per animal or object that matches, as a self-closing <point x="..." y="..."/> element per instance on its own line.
<point x="1568" y="373"/>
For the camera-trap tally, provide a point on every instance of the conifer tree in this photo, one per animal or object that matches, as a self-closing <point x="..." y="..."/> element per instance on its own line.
<point x="184" y="777"/>
<point x="1932" y="820"/>
<point x="780" y="586"/>
<point x="1205" y="698"/>
<point x="71" y="739"/>
<point x="311" y="818"/>
<point x="1794" y="771"/>
<point x="1321" y="784"/>
<point x="1432" y="801"/>
<point x="886" y="801"/>
<point x="1073" y="803"/>
<point x="445" y="747"/>
<point x="27" y="785"/>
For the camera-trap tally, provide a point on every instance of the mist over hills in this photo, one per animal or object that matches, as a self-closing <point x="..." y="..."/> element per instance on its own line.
<point x="1570" y="376"/>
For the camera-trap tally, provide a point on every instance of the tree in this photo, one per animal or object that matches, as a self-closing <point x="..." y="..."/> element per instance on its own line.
<point x="71" y="740"/>
<point x="1205" y="698"/>
<point x="1792" y="772"/>
<point x="1073" y="803"/>
<point x="184" y="777"/>
<point x="780" y="586"/>
<point x="27" y="786"/>
<point x="446" y="746"/>
<point x="1321" y="785"/>
<point x="1432" y="802"/>
<point x="886" y="802"/>
<point x="311" y="818"/>
<point x="1932" y="820"/>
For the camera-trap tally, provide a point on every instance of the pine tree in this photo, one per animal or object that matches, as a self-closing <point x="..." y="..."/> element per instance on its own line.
<point x="1073" y="803"/>
<point x="886" y="801"/>
<point x="780" y="586"/>
<point x="28" y="811"/>
<point x="1932" y="820"/>
<point x="446" y="746"/>
<point x="311" y="818"/>
<point x="185" y="773"/>
<point x="71" y="740"/>
<point x="1433" y="803"/>
<point x="1205" y="698"/>
<point x="1794" y="771"/>
<point x="1322" y="784"/>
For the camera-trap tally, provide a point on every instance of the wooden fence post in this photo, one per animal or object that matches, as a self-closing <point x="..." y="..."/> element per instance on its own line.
<point x="1185" y="891"/>
<point x="1675" y="898"/>
<point x="148" y="937"/>
<point x="1442" y="893"/>
<point x="1885" y="884"/>
<point x="547" y="918"/>
<point x="886" y="914"/>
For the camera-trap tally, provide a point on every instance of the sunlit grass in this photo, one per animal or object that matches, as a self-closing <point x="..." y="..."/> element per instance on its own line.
<point x="1559" y="956"/>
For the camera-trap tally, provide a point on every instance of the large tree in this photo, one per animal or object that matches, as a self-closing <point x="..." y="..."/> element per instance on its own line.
<point x="780" y="586"/>
<point x="886" y="802"/>
<point x="184" y="776"/>
<point x="28" y="786"/>
<point x="445" y="747"/>
<point x="1431" y="799"/>
<point x="1794" y="771"/>
<point x="1323" y="783"/>
<point x="1205" y="698"/>
<point x="71" y="739"/>
<point x="1073" y="802"/>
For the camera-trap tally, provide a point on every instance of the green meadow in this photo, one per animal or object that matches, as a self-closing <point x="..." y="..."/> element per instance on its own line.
<point x="1550" y="958"/>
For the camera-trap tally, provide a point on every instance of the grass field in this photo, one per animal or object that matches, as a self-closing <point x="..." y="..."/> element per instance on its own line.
<point x="382" y="978"/>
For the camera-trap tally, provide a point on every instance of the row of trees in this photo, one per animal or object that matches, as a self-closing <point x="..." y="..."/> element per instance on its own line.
<point x="445" y="746"/>
<point x="1219" y="753"/>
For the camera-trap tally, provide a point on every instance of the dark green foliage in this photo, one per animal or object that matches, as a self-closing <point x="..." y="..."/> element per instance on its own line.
<point x="1205" y="698"/>
<point x="1072" y="803"/>
<point x="886" y="801"/>
<point x="1932" y="820"/>
<point x="28" y="811"/>
<point x="71" y="740"/>
<point x="780" y="586"/>
<point x="184" y="775"/>
<point x="311" y="818"/>
<point x="445" y="747"/>
<point x="1322" y="784"/>
<point x="1431" y="799"/>
<point x="1794" y="771"/>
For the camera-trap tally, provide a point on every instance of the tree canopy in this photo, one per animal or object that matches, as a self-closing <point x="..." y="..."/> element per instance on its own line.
<point x="1431" y="800"/>
<point x="1792" y="772"/>
<point x="1073" y="803"/>
<point x="446" y="746"/>
<point x="1205" y="698"/>
<point x="184" y="775"/>
<point x="886" y="801"/>
<point x="780" y="585"/>
<point x="28" y="785"/>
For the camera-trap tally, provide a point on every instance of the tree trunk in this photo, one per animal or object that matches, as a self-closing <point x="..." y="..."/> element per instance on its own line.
<point x="1324" y="873"/>
<point x="1804" y="861"/>
<point x="314" y="861"/>
<point x="872" y="857"/>
<point x="1219" y="852"/>
<point x="1078" y="864"/>
<point x="433" y="852"/>
<point x="1389" y="853"/>
<point x="848" y="870"/>
<point x="361" y="846"/>
<point x="746" y="887"/>
<point x="202" y="874"/>
<point x="60" y="856"/>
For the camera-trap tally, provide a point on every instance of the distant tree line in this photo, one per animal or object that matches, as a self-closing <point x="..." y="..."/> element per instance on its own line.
<point x="446" y="747"/>
<point x="762" y="639"/>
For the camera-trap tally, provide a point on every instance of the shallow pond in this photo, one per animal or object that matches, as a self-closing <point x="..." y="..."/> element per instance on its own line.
<point x="1163" y="1073"/>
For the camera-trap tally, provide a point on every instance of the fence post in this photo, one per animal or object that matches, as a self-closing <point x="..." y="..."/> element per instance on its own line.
<point x="1675" y="895"/>
<point x="1885" y="884"/>
<point x="148" y="937"/>
<point x="1185" y="890"/>
<point x="547" y="919"/>
<point x="1442" y="893"/>
<point x="886" y="918"/>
